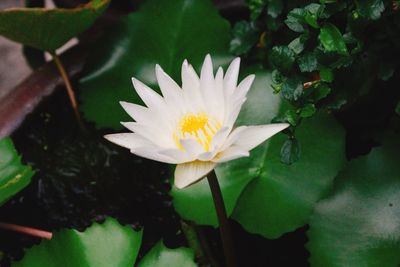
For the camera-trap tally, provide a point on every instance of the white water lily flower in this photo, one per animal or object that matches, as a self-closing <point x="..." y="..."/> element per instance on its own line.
<point x="192" y="126"/>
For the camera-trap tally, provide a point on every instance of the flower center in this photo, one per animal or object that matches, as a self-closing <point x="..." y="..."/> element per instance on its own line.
<point x="199" y="127"/>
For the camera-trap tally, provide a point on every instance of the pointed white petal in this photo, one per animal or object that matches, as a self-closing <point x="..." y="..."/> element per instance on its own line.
<point x="207" y="82"/>
<point x="128" y="140"/>
<point x="232" y="137"/>
<point x="191" y="146"/>
<point x="160" y="138"/>
<point x="171" y="91"/>
<point x="244" y="87"/>
<point x="219" y="138"/>
<point x="189" y="76"/>
<point x="148" y="95"/>
<point x="231" y="77"/>
<point x="231" y="153"/>
<point x="153" y="154"/>
<point x="191" y="89"/>
<point x="137" y="112"/>
<point x="191" y="172"/>
<point x="252" y="136"/>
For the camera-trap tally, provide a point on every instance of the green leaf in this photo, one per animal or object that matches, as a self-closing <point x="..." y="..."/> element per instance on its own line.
<point x="308" y="62"/>
<point x="14" y="176"/>
<point x="282" y="197"/>
<point x="292" y="89"/>
<point x="307" y="111"/>
<point x="48" y="29"/>
<point x="326" y="75"/>
<point x="358" y="224"/>
<point x="371" y="9"/>
<point x="321" y="91"/>
<point x="295" y="20"/>
<point x="245" y="36"/>
<point x="282" y="58"/>
<point x="256" y="7"/>
<point x="108" y="244"/>
<point x="290" y="151"/>
<point x="297" y="45"/>
<point x="332" y="39"/>
<point x="274" y="8"/>
<point x="195" y="202"/>
<point x="161" y="256"/>
<point x="311" y="14"/>
<point x="174" y="31"/>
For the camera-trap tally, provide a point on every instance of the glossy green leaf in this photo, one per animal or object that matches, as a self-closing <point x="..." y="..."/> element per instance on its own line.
<point x="245" y="36"/>
<point x="295" y="20"/>
<point x="297" y="45"/>
<point x="101" y="245"/>
<point x="195" y="202"/>
<point x="14" y="176"/>
<point x="326" y="75"/>
<point x="282" y="58"/>
<point x="282" y="197"/>
<point x="308" y="62"/>
<point x="164" y="32"/>
<point x="161" y="256"/>
<point x="48" y="29"/>
<point x="292" y="89"/>
<point x="332" y="39"/>
<point x="371" y="9"/>
<point x="358" y="224"/>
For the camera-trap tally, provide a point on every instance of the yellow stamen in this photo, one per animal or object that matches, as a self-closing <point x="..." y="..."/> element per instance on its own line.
<point x="197" y="126"/>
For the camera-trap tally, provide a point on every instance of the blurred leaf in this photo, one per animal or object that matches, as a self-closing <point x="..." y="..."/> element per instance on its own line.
<point x="292" y="88"/>
<point x="397" y="109"/>
<point x="371" y="9"/>
<point x="282" y="58"/>
<point x="14" y="176"/>
<point x="290" y="151"/>
<point x="386" y="71"/>
<point x="48" y="29"/>
<point x="358" y="224"/>
<point x="297" y="45"/>
<point x="195" y="202"/>
<point x="107" y="244"/>
<point x="245" y="36"/>
<point x="175" y="30"/>
<point x="295" y="20"/>
<point x="307" y="111"/>
<point x="332" y="39"/>
<point x="308" y="62"/>
<point x="161" y="256"/>
<point x="256" y="7"/>
<point x="326" y="75"/>
<point x="321" y="91"/>
<point x="274" y="8"/>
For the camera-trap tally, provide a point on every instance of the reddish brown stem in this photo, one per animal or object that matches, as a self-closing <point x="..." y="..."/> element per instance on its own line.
<point x="26" y="230"/>
<point x="70" y="90"/>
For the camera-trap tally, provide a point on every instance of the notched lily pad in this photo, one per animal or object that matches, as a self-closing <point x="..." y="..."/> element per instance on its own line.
<point x="48" y="29"/>
<point x="14" y="176"/>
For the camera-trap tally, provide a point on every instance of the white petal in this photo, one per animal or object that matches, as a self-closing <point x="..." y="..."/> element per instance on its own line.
<point x="137" y="112"/>
<point x="231" y="77"/>
<point x="252" y="136"/>
<point x="191" y="89"/>
<point x="232" y="137"/>
<point x="179" y="156"/>
<point x="148" y="95"/>
<point x="191" y="146"/>
<point x="189" y="76"/>
<point x="219" y="138"/>
<point x="191" y="172"/>
<point x="160" y="138"/>
<point x="231" y="153"/>
<point x="171" y="91"/>
<point x="128" y="140"/>
<point x="244" y="87"/>
<point x="207" y="82"/>
<point x="153" y="154"/>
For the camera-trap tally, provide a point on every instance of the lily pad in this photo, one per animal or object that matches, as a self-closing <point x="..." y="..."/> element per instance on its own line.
<point x="359" y="223"/>
<point x="48" y="29"/>
<point x="282" y="197"/>
<point x="101" y="245"/>
<point x="14" y="176"/>
<point x="164" y="32"/>
<point x="161" y="256"/>
<point x="195" y="202"/>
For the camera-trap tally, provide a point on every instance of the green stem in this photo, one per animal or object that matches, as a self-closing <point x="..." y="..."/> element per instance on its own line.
<point x="224" y="228"/>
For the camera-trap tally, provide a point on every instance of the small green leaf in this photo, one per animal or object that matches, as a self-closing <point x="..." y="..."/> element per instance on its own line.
<point x="297" y="45"/>
<point x="274" y="8"/>
<point x="175" y="30"/>
<point x="245" y="36"/>
<point x="321" y="91"/>
<point x="48" y="29"/>
<point x="101" y="245"/>
<point x="256" y="7"/>
<point x="326" y="75"/>
<point x="332" y="39"/>
<point x="358" y="224"/>
<point x="295" y="20"/>
<point x="308" y="62"/>
<point x="161" y="256"/>
<point x="291" y="117"/>
<point x="14" y="176"/>
<point x="282" y="58"/>
<point x="371" y="9"/>
<point x="307" y="111"/>
<point x="290" y="151"/>
<point x="292" y="89"/>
